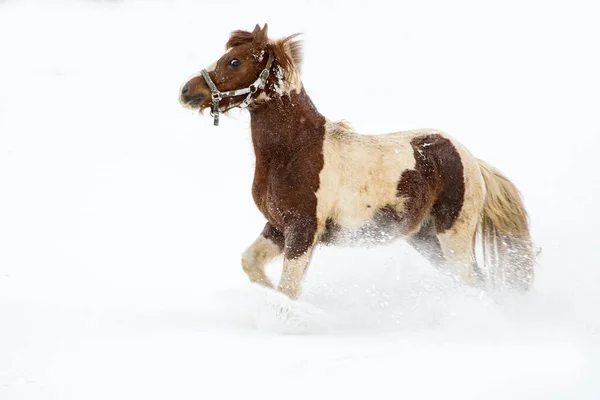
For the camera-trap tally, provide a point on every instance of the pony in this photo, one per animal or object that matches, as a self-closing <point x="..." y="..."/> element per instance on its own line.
<point x="319" y="181"/>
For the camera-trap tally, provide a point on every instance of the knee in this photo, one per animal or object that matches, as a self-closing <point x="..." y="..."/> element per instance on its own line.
<point x="248" y="261"/>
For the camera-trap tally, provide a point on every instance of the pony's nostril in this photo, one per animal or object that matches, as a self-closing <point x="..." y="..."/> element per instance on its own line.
<point x="185" y="90"/>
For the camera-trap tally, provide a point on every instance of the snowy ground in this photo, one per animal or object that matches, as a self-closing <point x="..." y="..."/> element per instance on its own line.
<point x="123" y="216"/>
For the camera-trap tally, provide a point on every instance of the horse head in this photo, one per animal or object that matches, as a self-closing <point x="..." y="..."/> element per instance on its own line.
<point x="253" y="69"/>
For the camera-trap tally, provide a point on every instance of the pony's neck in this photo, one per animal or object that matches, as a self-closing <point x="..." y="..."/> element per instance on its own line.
<point x="284" y="124"/>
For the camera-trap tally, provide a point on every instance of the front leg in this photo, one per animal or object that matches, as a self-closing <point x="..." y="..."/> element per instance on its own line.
<point x="299" y="241"/>
<point x="265" y="248"/>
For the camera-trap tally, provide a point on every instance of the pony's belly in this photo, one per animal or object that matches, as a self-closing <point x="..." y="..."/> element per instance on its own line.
<point x="384" y="226"/>
<point x="370" y="234"/>
<point x="357" y="205"/>
<point x="352" y="218"/>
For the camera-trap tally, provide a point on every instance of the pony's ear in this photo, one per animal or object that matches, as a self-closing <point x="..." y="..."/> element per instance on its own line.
<point x="260" y="35"/>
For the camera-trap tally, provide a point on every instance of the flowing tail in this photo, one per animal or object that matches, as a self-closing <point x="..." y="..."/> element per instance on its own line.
<point x="507" y="250"/>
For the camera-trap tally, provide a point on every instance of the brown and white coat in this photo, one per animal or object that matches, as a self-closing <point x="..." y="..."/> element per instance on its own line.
<point x="318" y="181"/>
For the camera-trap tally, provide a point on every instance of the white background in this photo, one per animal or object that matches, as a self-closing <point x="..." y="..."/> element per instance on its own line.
<point x="123" y="216"/>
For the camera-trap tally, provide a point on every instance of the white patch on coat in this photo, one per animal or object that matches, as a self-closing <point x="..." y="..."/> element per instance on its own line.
<point x="361" y="174"/>
<point x="278" y="86"/>
<point x="262" y="97"/>
<point x="211" y="67"/>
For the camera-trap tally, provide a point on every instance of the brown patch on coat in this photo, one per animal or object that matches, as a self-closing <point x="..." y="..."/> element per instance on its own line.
<point x="419" y="197"/>
<point x="289" y="158"/>
<point x="436" y="185"/>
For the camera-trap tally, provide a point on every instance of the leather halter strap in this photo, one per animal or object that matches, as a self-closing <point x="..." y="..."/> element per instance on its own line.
<point x="217" y="95"/>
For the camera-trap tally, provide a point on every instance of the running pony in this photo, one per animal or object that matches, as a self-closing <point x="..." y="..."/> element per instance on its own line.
<point x="318" y="181"/>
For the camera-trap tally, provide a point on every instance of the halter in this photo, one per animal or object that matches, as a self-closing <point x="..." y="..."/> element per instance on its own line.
<point x="217" y="95"/>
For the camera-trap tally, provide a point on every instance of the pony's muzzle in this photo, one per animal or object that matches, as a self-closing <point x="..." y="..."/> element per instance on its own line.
<point x="194" y="93"/>
<point x="189" y="100"/>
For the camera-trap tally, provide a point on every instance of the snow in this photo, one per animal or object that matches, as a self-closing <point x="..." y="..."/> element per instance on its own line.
<point x="279" y="82"/>
<point x="123" y="216"/>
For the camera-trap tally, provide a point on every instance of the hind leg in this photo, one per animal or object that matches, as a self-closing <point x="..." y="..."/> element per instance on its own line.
<point x="457" y="259"/>
<point x="456" y="228"/>
<point x="458" y="240"/>
<point x="457" y="246"/>
<point x="425" y="241"/>
<point x="265" y="248"/>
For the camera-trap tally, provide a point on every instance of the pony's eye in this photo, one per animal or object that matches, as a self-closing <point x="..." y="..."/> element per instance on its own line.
<point x="235" y="63"/>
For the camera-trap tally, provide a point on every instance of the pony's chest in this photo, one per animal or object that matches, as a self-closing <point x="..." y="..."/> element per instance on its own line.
<point x="266" y="201"/>
<point x="260" y="193"/>
<point x="285" y="194"/>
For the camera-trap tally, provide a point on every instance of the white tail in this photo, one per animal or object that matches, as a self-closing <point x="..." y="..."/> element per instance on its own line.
<point x="508" y="253"/>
